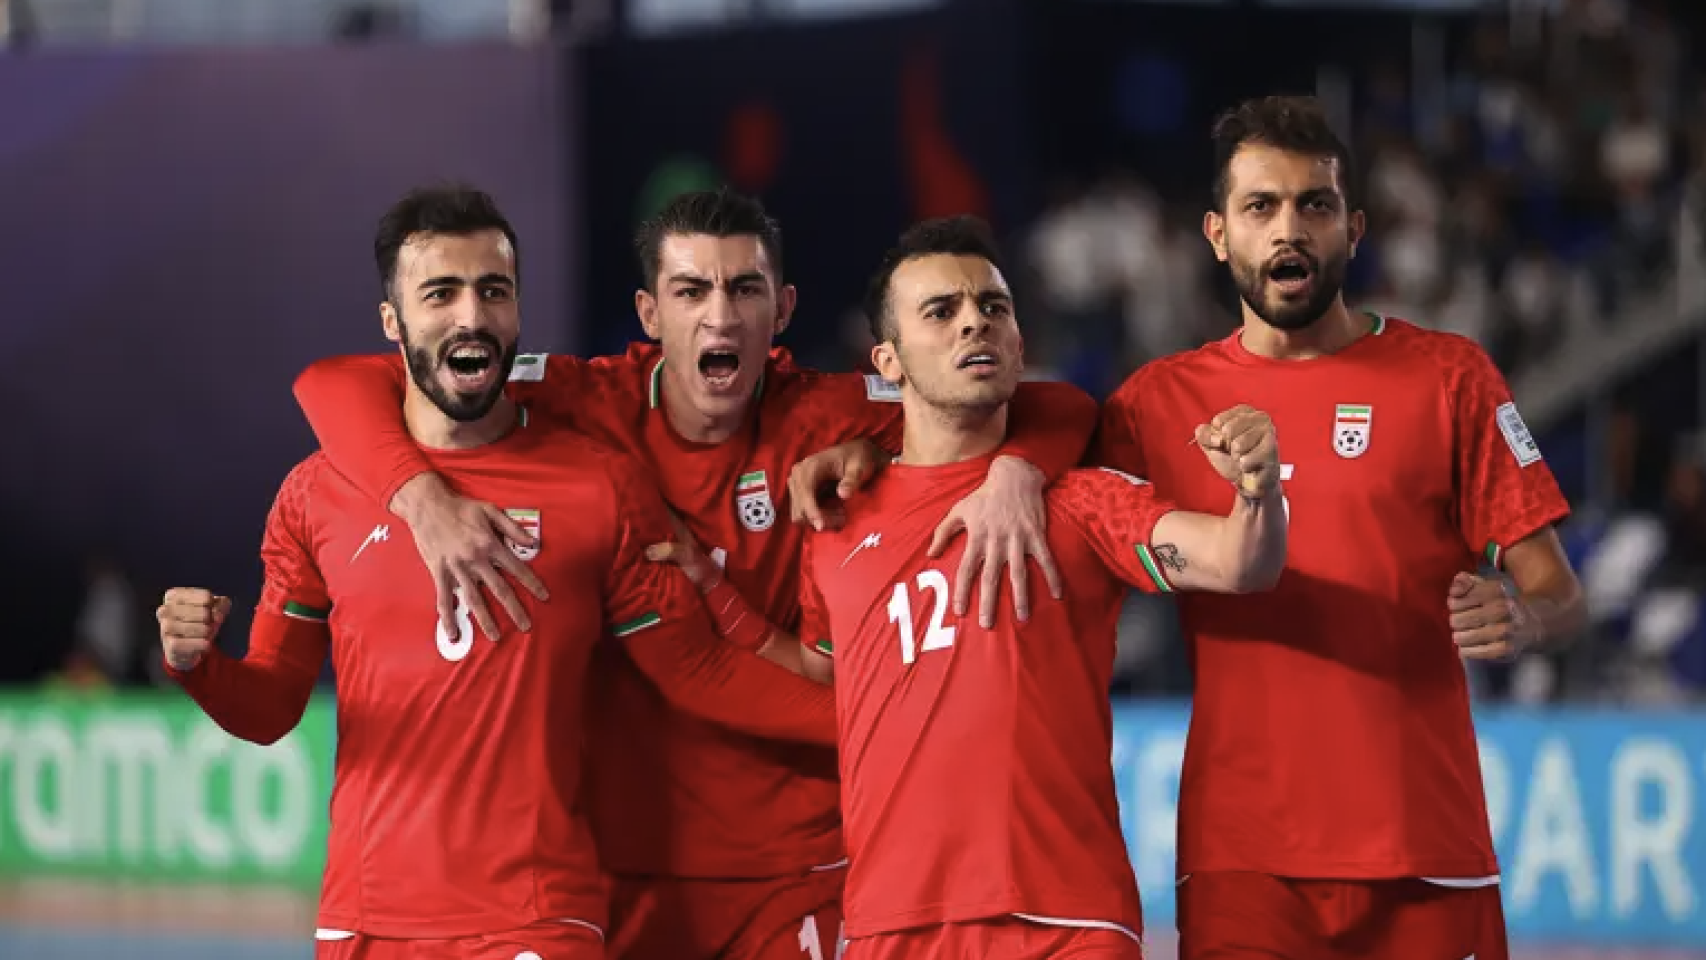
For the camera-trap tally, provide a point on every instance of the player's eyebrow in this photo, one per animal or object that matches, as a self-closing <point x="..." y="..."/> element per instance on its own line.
<point x="985" y="296"/>
<point x="694" y="280"/>
<point x="484" y="280"/>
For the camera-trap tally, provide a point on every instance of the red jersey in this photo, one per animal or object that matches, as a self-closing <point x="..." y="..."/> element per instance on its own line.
<point x="455" y="806"/>
<point x="1331" y="733"/>
<point x="670" y="794"/>
<point x="974" y="764"/>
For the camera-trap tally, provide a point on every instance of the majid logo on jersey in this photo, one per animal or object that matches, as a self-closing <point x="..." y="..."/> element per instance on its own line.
<point x="1351" y="424"/>
<point x="752" y="502"/>
<point x="527" y="520"/>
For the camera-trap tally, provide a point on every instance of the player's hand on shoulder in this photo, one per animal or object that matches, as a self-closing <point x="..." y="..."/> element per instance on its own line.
<point x="684" y="551"/>
<point x="1005" y="521"/>
<point x="1489" y="620"/>
<point x="819" y="484"/>
<point x="190" y="618"/>
<point x="466" y="547"/>
<point x="1242" y="444"/>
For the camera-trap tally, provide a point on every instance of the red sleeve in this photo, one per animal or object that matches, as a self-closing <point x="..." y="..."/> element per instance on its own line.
<point x="841" y="407"/>
<point x="1505" y="491"/>
<point x="1116" y="514"/>
<point x="355" y="407"/>
<point x="656" y="612"/>
<point x="1049" y="425"/>
<point x="1119" y="438"/>
<point x="736" y="620"/>
<point x="814" y="615"/>
<point x="261" y="697"/>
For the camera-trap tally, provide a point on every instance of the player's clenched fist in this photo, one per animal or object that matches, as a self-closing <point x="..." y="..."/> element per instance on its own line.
<point x="1243" y="446"/>
<point x="190" y="618"/>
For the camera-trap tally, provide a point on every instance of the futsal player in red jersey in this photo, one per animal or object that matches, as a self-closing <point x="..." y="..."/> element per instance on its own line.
<point x="1331" y="804"/>
<point x="723" y="846"/>
<point x="457" y="820"/>
<point x="977" y="790"/>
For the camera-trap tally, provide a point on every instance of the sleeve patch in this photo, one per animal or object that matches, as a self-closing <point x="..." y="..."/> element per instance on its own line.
<point x="529" y="367"/>
<point x="824" y="647"/>
<point x="642" y="622"/>
<point x="1517" y="436"/>
<point x="302" y="611"/>
<point x="1153" y="568"/>
<point x="880" y="390"/>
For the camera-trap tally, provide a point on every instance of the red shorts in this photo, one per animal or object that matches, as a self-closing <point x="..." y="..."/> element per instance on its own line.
<point x="549" y="940"/>
<point x="1246" y="916"/>
<point x="782" y="919"/>
<point x="1003" y="938"/>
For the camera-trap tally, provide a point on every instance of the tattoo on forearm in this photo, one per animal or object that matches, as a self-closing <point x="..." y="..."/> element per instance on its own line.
<point x="1170" y="557"/>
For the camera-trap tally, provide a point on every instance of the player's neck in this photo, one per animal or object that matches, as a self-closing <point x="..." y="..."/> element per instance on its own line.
<point x="1337" y="329"/>
<point x="432" y="429"/>
<point x="935" y="436"/>
<point x="692" y="424"/>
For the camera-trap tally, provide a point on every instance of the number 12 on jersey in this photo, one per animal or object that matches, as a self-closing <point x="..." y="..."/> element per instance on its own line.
<point x="937" y="636"/>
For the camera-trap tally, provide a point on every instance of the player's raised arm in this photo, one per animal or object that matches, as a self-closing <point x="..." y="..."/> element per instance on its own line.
<point x="261" y="697"/>
<point x="1508" y="505"/>
<point x="656" y="613"/>
<point x="1155" y="546"/>
<point x="355" y="407"/>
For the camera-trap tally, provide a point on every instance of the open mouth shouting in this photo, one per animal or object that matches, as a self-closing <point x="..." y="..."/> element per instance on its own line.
<point x="1292" y="274"/>
<point x="471" y="364"/>
<point x="719" y="365"/>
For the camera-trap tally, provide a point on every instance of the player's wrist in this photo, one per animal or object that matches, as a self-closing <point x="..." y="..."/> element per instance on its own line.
<point x="417" y="494"/>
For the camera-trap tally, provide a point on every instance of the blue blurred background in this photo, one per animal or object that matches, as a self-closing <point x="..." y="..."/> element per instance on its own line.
<point x="188" y="190"/>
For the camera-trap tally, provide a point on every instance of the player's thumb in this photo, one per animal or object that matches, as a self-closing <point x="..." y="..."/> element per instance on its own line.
<point x="660" y="552"/>
<point x="221" y="609"/>
<point x="1462" y="584"/>
<point x="945" y="532"/>
<point x="851" y="480"/>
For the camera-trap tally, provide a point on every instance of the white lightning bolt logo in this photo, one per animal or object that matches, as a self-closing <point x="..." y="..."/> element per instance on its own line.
<point x="381" y="532"/>
<point x="871" y="540"/>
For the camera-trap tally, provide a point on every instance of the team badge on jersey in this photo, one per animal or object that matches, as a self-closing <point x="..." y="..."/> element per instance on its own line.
<point x="1350" y="429"/>
<point x="527" y="520"/>
<point x="753" y="503"/>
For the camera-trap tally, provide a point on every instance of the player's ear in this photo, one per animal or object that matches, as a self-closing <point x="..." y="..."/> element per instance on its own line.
<point x="786" y="299"/>
<point x="646" y="306"/>
<point x="1214" y="231"/>
<point x="391" y="321"/>
<point x="1358" y="224"/>
<point x="886" y="361"/>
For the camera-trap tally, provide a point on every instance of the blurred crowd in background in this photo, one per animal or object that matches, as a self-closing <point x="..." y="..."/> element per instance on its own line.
<point x="1546" y="197"/>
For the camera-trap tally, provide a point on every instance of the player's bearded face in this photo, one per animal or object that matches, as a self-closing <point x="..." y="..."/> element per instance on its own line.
<point x="463" y="373"/>
<point x="1292" y="288"/>
<point x="1286" y="234"/>
<point x="958" y="345"/>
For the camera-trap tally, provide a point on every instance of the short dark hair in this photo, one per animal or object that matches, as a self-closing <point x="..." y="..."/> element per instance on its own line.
<point x="706" y="213"/>
<point x="958" y="236"/>
<point x="1293" y="124"/>
<point x="454" y="209"/>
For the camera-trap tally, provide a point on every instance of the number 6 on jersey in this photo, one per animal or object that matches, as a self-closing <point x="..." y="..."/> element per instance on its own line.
<point x="936" y="636"/>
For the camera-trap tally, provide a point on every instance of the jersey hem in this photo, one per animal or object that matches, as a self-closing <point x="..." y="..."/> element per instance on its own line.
<point x="1088" y="914"/>
<point x="455" y="928"/>
<point x="1345" y="869"/>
